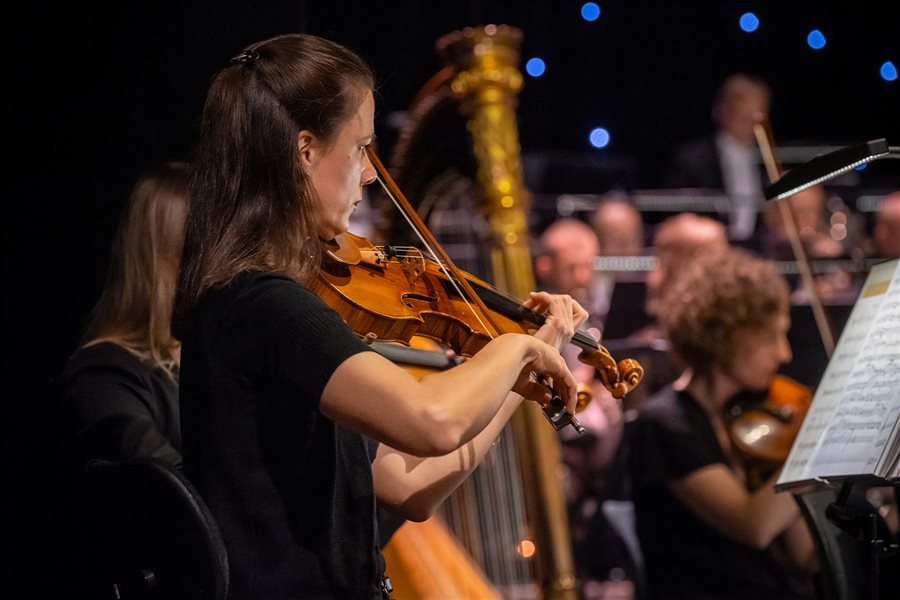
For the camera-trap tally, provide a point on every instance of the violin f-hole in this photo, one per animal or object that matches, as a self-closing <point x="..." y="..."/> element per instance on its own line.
<point x="416" y="296"/>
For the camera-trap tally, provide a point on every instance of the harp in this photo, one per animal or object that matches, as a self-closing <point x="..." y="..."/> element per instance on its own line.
<point x="457" y="158"/>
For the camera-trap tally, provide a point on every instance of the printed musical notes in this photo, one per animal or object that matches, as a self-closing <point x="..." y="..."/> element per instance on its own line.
<point x="852" y="425"/>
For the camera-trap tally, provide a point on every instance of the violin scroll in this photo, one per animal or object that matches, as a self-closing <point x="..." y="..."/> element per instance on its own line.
<point x="619" y="378"/>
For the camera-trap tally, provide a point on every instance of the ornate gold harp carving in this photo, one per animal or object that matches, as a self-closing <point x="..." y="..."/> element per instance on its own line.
<point x="458" y="157"/>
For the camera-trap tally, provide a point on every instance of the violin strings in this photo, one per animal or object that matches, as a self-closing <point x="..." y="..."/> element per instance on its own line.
<point x="427" y="247"/>
<point x="508" y="526"/>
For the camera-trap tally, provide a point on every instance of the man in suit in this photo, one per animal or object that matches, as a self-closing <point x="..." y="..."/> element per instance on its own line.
<point x="727" y="160"/>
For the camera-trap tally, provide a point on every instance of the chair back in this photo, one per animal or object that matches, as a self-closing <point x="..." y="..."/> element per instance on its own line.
<point x="154" y="536"/>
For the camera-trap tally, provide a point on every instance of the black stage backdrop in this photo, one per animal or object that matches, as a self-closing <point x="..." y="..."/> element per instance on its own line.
<point x="100" y="91"/>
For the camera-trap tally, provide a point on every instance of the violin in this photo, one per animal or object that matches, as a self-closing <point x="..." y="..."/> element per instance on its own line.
<point x="763" y="432"/>
<point x="391" y="294"/>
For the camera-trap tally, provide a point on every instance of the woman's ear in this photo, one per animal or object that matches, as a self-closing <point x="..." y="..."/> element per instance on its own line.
<point x="306" y="149"/>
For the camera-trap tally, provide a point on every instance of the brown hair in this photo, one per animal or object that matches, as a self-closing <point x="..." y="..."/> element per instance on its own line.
<point x="135" y="306"/>
<point x="717" y="297"/>
<point x="251" y="207"/>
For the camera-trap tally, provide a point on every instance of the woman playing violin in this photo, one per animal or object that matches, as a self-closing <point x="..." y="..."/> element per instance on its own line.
<point x="702" y="532"/>
<point x="292" y="428"/>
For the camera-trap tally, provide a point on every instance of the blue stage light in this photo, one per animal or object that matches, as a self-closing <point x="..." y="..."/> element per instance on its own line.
<point x="888" y="71"/>
<point x="599" y="138"/>
<point x="749" y="22"/>
<point x="535" y="67"/>
<point x="816" y="39"/>
<point x="590" y="11"/>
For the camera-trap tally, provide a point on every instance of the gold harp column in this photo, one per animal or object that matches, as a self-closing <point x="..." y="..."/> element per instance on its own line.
<point x="486" y="83"/>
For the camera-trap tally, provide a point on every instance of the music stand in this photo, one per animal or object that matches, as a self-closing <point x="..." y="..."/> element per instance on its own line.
<point x="847" y="514"/>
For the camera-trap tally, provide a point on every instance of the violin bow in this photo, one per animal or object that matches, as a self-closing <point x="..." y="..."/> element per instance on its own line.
<point x="764" y="139"/>
<point x="431" y="244"/>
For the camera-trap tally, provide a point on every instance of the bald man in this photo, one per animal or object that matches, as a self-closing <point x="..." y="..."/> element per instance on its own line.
<point x="619" y="227"/>
<point x="564" y="263"/>
<point x="676" y="240"/>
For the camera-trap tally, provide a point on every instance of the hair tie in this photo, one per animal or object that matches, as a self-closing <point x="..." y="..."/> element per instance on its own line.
<point x="247" y="56"/>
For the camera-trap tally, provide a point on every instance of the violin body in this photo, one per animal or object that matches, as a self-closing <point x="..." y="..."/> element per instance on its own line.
<point x="392" y="297"/>
<point x="393" y="294"/>
<point x="763" y="433"/>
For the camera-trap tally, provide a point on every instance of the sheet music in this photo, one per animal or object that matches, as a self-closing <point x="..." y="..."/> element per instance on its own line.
<point x="856" y="404"/>
<point x="859" y="428"/>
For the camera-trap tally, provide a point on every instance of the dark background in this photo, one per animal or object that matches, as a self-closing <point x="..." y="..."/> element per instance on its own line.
<point x="100" y="92"/>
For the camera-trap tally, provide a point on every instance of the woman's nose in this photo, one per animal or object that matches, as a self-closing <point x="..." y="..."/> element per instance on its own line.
<point x="369" y="174"/>
<point x="786" y="353"/>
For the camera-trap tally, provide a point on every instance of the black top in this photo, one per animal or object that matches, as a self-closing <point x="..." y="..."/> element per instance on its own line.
<point x="291" y="491"/>
<point x="119" y="406"/>
<point x="684" y="558"/>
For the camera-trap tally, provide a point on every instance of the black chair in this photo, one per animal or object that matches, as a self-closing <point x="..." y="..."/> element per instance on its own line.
<point x="151" y="534"/>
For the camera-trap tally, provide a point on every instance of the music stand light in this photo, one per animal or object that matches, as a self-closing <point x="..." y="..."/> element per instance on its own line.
<point x="828" y="166"/>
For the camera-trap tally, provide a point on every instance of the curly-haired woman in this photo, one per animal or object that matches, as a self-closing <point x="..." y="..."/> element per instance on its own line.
<point x="703" y="532"/>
